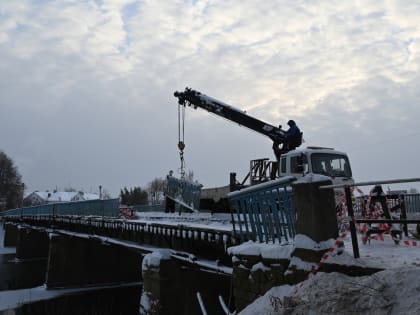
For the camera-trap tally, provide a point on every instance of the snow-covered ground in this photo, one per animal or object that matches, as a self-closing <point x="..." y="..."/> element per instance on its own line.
<point x="396" y="290"/>
<point x="392" y="292"/>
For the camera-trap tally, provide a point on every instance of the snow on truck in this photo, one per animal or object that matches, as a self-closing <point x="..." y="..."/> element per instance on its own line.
<point x="296" y="162"/>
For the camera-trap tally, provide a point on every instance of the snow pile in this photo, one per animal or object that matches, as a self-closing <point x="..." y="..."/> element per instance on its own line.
<point x="264" y="304"/>
<point x="393" y="291"/>
<point x="148" y="304"/>
<point x="267" y="251"/>
<point x="153" y="259"/>
<point x="305" y="242"/>
<point x="297" y="263"/>
<point x="260" y="266"/>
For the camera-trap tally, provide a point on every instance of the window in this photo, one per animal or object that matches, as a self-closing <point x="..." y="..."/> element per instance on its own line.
<point x="297" y="162"/>
<point x="283" y="165"/>
<point x="333" y="165"/>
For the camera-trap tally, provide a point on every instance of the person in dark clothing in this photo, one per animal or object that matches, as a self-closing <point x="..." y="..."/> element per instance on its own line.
<point x="293" y="139"/>
<point x="293" y="136"/>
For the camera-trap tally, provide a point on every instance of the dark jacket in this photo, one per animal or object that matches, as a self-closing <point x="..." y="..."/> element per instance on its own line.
<point x="292" y="132"/>
<point x="293" y="137"/>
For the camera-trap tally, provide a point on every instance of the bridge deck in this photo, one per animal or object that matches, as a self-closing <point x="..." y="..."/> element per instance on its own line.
<point x="186" y="238"/>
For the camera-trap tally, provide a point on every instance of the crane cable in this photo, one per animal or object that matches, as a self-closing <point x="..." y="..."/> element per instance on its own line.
<point x="181" y="144"/>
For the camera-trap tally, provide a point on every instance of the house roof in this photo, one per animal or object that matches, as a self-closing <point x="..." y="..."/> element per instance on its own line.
<point x="62" y="196"/>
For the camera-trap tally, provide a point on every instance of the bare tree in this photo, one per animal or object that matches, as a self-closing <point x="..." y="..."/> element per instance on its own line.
<point x="156" y="190"/>
<point x="190" y="175"/>
<point x="11" y="186"/>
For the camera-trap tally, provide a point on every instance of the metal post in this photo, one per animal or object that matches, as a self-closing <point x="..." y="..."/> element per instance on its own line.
<point x="403" y="214"/>
<point x="352" y="225"/>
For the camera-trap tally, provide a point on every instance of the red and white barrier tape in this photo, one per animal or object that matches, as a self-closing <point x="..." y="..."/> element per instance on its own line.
<point x="337" y="244"/>
<point x="409" y="243"/>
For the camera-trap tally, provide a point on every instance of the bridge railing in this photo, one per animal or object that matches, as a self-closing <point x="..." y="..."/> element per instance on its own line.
<point x="204" y="242"/>
<point x="411" y="202"/>
<point x="265" y="212"/>
<point x="107" y="208"/>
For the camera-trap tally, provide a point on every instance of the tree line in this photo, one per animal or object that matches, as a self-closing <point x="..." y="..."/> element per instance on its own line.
<point x="152" y="194"/>
<point x="12" y="188"/>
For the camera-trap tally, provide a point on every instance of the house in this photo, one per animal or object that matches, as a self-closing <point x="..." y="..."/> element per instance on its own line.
<point x="44" y="197"/>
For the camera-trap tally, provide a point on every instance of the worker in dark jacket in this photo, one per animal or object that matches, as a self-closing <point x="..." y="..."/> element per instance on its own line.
<point x="293" y="139"/>
<point x="293" y="136"/>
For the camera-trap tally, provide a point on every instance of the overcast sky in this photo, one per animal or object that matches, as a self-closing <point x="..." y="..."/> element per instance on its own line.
<point x="87" y="86"/>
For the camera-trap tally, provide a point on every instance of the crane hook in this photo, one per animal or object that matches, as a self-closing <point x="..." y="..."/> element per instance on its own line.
<point x="181" y="145"/>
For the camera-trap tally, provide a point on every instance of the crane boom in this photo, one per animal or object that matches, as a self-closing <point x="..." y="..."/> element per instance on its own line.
<point x="190" y="97"/>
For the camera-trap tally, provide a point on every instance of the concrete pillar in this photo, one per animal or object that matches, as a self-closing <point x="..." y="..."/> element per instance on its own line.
<point x="75" y="262"/>
<point x="316" y="227"/>
<point x="32" y="243"/>
<point x="10" y="234"/>
<point x="316" y="215"/>
<point x="170" y="286"/>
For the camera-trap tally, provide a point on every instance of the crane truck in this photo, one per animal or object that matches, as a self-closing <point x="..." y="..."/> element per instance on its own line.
<point x="297" y="162"/>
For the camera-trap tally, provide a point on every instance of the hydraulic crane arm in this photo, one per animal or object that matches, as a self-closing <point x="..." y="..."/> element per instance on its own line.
<point x="194" y="98"/>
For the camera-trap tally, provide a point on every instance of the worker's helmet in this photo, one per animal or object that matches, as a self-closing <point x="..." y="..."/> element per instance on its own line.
<point x="291" y="123"/>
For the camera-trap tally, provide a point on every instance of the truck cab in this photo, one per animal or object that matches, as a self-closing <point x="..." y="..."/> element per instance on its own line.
<point x="317" y="160"/>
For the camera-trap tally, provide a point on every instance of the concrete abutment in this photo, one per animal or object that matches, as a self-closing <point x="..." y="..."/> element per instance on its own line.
<point x="170" y="286"/>
<point x="88" y="261"/>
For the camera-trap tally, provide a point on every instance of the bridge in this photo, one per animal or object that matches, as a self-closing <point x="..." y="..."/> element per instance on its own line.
<point x="83" y="245"/>
<point x="164" y="261"/>
<point x="208" y="243"/>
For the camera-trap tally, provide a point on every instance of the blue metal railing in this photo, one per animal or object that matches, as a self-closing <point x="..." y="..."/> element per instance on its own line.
<point x="108" y="208"/>
<point x="265" y="212"/>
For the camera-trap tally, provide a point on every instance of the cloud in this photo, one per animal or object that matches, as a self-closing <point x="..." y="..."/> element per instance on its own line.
<point x="92" y="82"/>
